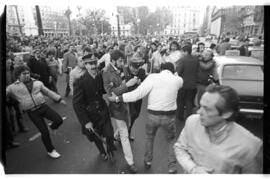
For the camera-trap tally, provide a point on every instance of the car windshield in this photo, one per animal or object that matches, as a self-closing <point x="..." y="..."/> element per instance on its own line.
<point x="243" y="72"/>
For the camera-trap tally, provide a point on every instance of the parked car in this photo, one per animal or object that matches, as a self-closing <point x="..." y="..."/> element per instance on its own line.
<point x="246" y="76"/>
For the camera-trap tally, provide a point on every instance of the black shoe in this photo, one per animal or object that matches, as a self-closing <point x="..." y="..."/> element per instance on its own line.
<point x="131" y="138"/>
<point x="147" y="165"/>
<point x="103" y="157"/>
<point x="24" y="130"/>
<point x="132" y="168"/>
<point x="110" y="156"/>
<point x="13" y="145"/>
<point x="171" y="171"/>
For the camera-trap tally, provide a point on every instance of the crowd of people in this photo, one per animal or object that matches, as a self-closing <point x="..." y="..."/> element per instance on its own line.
<point x="107" y="78"/>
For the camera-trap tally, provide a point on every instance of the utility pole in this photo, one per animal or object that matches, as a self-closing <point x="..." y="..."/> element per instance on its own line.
<point x="118" y="25"/>
<point x="67" y="14"/>
<point x="39" y="22"/>
<point x="18" y="19"/>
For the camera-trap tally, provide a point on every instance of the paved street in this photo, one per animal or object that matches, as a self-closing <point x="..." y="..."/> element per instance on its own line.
<point x="78" y="155"/>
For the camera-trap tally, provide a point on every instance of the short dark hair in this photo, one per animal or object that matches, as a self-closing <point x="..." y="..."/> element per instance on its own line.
<point x="187" y="48"/>
<point x="167" y="66"/>
<point x="229" y="101"/>
<point x="116" y="54"/>
<point x="175" y="43"/>
<point x="18" y="70"/>
<point x="212" y="46"/>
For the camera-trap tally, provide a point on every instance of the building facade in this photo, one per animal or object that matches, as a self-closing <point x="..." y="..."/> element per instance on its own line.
<point x="54" y="22"/>
<point x="15" y="20"/>
<point x="185" y="19"/>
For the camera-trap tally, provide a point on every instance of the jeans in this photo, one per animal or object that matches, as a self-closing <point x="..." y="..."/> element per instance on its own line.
<point x="37" y="117"/>
<point x="123" y="131"/>
<point x="167" y="122"/>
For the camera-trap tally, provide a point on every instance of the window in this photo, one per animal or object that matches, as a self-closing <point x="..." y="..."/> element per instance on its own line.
<point x="243" y="72"/>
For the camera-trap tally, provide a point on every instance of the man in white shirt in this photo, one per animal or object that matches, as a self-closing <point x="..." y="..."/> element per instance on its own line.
<point x="211" y="142"/>
<point x="162" y="89"/>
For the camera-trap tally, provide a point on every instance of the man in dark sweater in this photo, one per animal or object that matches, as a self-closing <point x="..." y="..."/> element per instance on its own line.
<point x="187" y="68"/>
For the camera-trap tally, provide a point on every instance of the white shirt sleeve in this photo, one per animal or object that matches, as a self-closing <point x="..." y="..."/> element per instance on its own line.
<point x="141" y="91"/>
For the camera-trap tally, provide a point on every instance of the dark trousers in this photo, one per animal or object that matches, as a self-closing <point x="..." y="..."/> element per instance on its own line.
<point x="104" y="129"/>
<point x="14" y="104"/>
<point x="134" y="109"/>
<point x="185" y="100"/>
<point x="7" y="131"/>
<point x="37" y="117"/>
<point x="52" y="84"/>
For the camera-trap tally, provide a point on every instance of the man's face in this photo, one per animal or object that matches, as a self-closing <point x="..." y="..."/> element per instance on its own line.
<point x="80" y="63"/>
<point x="91" y="66"/>
<point x="201" y="48"/>
<point x="116" y="47"/>
<point x="209" y="114"/>
<point x="134" y="69"/>
<point x="173" y="47"/>
<point x="50" y="56"/>
<point x="72" y="48"/>
<point x="24" y="76"/>
<point x="119" y="63"/>
<point x="207" y="55"/>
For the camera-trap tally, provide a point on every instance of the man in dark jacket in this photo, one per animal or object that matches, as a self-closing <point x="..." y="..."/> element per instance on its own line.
<point x="39" y="67"/>
<point x="130" y="71"/>
<point x="113" y="82"/>
<point x="91" y="109"/>
<point x="187" y="68"/>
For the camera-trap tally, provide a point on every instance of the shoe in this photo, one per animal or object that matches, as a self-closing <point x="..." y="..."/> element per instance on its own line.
<point x="13" y="145"/>
<point x="132" y="168"/>
<point x="54" y="154"/>
<point x="103" y="157"/>
<point x="131" y="138"/>
<point x="147" y="165"/>
<point x="24" y="130"/>
<point x="111" y="156"/>
<point x="172" y="171"/>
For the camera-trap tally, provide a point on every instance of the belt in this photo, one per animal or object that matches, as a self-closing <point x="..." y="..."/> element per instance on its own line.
<point x="35" y="108"/>
<point x="161" y="112"/>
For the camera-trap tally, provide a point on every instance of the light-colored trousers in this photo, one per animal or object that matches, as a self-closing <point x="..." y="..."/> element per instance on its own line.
<point x="122" y="130"/>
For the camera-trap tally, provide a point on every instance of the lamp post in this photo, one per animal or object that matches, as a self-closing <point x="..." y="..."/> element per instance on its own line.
<point x="138" y="25"/>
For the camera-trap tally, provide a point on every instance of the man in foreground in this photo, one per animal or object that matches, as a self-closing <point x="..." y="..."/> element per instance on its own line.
<point x="211" y="142"/>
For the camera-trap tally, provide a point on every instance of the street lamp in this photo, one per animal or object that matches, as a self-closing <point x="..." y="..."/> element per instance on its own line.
<point x="138" y="22"/>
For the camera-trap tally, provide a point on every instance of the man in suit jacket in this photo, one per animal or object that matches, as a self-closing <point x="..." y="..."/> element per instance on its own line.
<point x="91" y="109"/>
<point x="113" y="82"/>
<point x="187" y="68"/>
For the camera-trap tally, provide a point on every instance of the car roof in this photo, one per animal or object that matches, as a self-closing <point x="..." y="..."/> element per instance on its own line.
<point x="223" y="60"/>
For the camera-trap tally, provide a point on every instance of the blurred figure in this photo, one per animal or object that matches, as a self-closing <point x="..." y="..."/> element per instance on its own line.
<point x="69" y="62"/>
<point x="207" y="67"/>
<point x="187" y="68"/>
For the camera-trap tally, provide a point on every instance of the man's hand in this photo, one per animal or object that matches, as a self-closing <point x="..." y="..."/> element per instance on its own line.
<point x="112" y="97"/>
<point x="132" y="81"/>
<point x="201" y="170"/>
<point x="89" y="126"/>
<point x="63" y="102"/>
